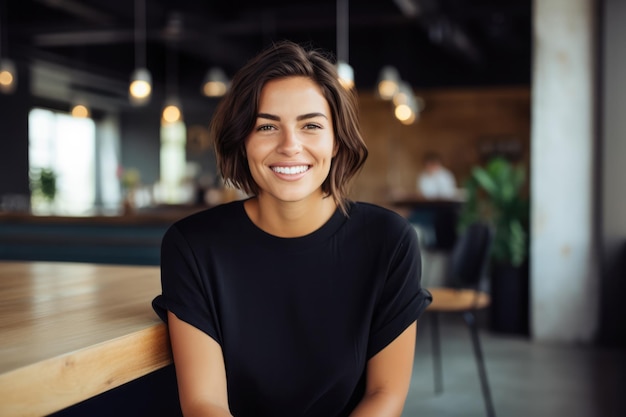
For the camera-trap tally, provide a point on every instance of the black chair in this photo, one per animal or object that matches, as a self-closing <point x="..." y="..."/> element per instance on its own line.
<point x="463" y="295"/>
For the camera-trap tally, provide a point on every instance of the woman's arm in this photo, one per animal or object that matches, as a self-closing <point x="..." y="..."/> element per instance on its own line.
<point x="200" y="370"/>
<point x="388" y="378"/>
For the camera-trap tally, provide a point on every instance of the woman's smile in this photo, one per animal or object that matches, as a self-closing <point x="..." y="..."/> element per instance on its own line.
<point x="290" y="170"/>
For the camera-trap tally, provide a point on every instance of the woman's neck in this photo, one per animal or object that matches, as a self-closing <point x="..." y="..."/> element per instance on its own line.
<point x="289" y="219"/>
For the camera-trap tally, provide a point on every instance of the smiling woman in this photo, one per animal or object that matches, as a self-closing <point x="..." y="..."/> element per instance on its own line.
<point x="238" y="115"/>
<point x="295" y="301"/>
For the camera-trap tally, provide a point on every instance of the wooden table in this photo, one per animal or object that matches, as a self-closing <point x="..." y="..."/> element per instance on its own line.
<point x="70" y="331"/>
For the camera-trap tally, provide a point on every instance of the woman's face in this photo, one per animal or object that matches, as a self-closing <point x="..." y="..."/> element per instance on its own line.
<point x="292" y="143"/>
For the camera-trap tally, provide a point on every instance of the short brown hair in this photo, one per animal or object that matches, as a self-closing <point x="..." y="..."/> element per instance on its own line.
<point x="236" y="116"/>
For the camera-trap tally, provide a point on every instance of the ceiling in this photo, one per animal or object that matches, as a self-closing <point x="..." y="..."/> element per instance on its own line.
<point x="433" y="43"/>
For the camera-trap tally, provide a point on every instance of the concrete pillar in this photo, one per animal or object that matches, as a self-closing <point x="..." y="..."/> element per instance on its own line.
<point x="563" y="269"/>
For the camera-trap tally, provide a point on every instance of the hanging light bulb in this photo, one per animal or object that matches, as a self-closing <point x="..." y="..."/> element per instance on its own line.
<point x="407" y="109"/>
<point x="388" y="82"/>
<point x="215" y="83"/>
<point x="405" y="114"/>
<point x="140" y="87"/>
<point x="405" y="104"/>
<point x="172" y="111"/>
<point x="345" y="72"/>
<point x="80" y="109"/>
<point x="8" y="76"/>
<point x="403" y="94"/>
<point x="8" y="72"/>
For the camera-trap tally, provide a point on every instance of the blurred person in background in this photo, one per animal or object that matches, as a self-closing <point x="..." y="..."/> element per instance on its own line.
<point x="436" y="181"/>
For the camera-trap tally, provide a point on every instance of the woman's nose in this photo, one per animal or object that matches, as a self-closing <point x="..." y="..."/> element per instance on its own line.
<point x="290" y="142"/>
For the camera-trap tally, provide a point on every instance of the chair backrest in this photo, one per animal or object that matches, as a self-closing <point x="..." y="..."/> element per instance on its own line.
<point x="470" y="255"/>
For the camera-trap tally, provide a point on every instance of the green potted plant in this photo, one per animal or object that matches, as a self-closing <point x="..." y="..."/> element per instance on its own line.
<point x="44" y="188"/>
<point x="495" y="195"/>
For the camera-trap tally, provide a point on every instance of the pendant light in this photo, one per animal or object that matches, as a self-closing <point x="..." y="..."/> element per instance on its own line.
<point x="344" y="70"/>
<point x="172" y="110"/>
<point x="388" y="82"/>
<point x="140" y="87"/>
<point x="215" y="83"/>
<point x="407" y="105"/>
<point x="80" y="108"/>
<point x="8" y="76"/>
<point x="8" y="71"/>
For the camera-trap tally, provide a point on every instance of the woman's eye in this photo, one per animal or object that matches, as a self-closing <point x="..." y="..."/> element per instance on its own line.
<point x="264" y="128"/>
<point x="312" y="126"/>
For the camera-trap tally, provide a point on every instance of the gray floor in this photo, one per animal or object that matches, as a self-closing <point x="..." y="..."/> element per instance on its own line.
<point x="527" y="378"/>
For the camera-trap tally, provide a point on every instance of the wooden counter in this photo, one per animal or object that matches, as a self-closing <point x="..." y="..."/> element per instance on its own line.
<point x="70" y="331"/>
<point x="438" y="218"/>
<point x="409" y="201"/>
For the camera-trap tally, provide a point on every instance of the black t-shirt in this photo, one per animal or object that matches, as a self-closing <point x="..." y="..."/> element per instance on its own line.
<point x="297" y="318"/>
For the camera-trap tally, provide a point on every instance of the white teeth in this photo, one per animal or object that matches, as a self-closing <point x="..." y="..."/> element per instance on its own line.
<point x="291" y="170"/>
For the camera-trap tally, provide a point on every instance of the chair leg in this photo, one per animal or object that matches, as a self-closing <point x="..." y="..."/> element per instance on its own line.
<point x="470" y="320"/>
<point x="436" y="352"/>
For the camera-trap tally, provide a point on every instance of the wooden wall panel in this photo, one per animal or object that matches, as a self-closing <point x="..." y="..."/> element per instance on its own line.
<point x="463" y="126"/>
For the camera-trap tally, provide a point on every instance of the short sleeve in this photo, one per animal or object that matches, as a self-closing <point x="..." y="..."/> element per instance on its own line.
<point x="185" y="291"/>
<point x="402" y="299"/>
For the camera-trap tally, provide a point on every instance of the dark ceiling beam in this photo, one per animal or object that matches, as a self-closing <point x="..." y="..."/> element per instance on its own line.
<point x="252" y="26"/>
<point x="441" y="29"/>
<point x="81" y="10"/>
<point x="83" y="37"/>
<point x="450" y="36"/>
<point x="409" y="8"/>
<point x="196" y="35"/>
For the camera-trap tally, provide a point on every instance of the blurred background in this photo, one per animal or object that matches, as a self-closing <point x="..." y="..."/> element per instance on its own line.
<point x="105" y="107"/>
<point x="455" y="57"/>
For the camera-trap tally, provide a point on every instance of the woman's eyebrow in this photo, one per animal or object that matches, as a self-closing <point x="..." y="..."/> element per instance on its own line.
<point x="268" y="116"/>
<point x="311" y="116"/>
<point x="299" y="118"/>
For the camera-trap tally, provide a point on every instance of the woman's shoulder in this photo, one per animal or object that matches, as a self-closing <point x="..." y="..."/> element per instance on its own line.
<point x="371" y="209"/>
<point x="377" y="216"/>
<point x="220" y="217"/>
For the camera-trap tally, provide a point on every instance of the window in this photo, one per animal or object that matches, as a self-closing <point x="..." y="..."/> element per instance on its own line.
<point x="66" y="146"/>
<point x="176" y="186"/>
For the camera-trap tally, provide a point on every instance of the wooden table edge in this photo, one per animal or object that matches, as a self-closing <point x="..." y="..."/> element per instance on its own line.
<point x="56" y="383"/>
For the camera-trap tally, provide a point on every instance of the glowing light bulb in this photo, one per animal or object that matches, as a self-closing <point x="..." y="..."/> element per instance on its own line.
<point x="346" y="75"/>
<point x="215" y="83"/>
<point x="403" y="94"/>
<point x="405" y="114"/>
<point x="171" y="113"/>
<point x="8" y="76"/>
<point x="140" y="89"/>
<point x="388" y="82"/>
<point x="214" y="89"/>
<point x="140" y="86"/>
<point x="80" y="110"/>
<point x="387" y="89"/>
